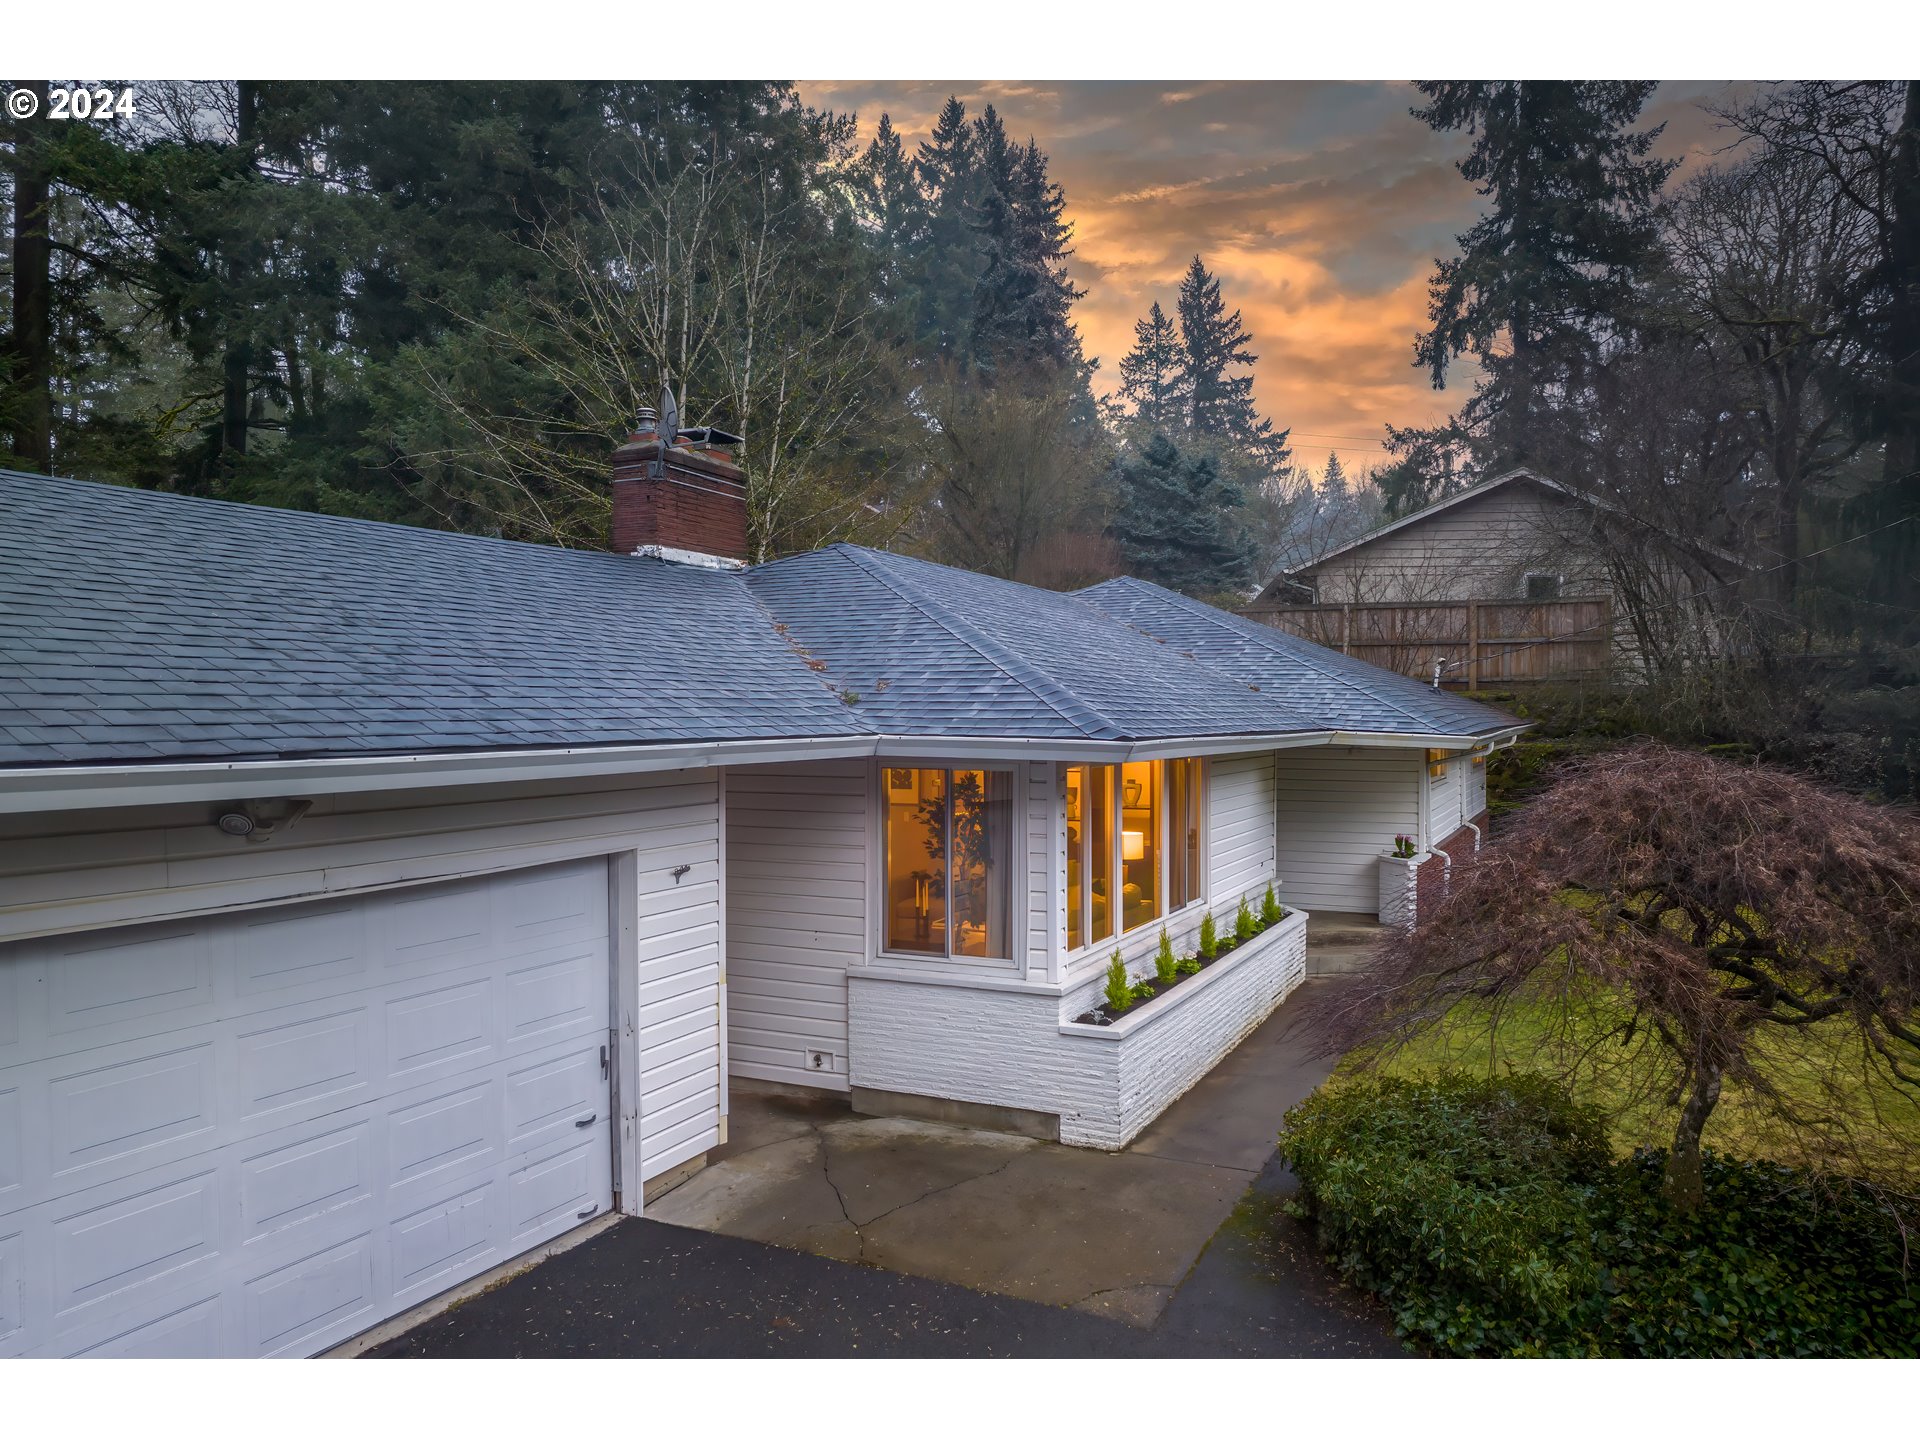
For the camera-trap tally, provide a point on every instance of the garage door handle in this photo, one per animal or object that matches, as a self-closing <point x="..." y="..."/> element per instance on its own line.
<point x="583" y="1214"/>
<point x="582" y="1124"/>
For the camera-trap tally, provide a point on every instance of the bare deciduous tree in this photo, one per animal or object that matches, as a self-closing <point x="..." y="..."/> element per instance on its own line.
<point x="1697" y="915"/>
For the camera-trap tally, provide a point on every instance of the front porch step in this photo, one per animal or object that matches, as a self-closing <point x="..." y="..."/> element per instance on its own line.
<point x="1340" y="944"/>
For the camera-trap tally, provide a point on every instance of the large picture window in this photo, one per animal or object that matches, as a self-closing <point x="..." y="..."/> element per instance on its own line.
<point x="949" y="862"/>
<point x="1133" y="845"/>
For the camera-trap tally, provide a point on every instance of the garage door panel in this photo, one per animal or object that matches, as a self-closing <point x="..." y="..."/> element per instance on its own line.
<point x="437" y="928"/>
<point x="434" y="1246"/>
<point x="325" y="950"/>
<point x="562" y="993"/>
<point x="302" y="1180"/>
<point x="446" y="1029"/>
<point x="554" y="1095"/>
<point x="556" y="1190"/>
<point x="457" y="1127"/>
<point x="138" y="980"/>
<point x="183" y="1328"/>
<point x="320" y="1061"/>
<point x="539" y="908"/>
<point x="13" y="1288"/>
<point x="292" y="1309"/>
<point x="13" y="1149"/>
<point x="128" y="1106"/>
<point x="104" y="1249"/>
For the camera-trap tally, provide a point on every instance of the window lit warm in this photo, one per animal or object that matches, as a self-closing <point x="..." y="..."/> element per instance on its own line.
<point x="949" y="862"/>
<point x="1133" y="845"/>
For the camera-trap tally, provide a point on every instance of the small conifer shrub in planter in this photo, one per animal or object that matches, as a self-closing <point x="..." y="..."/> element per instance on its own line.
<point x="1271" y="912"/>
<point x="1243" y="928"/>
<point x="1209" y="940"/>
<point x="1165" y="962"/>
<point x="1119" y="988"/>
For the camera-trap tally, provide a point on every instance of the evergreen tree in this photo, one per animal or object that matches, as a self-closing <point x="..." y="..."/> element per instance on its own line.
<point x="1218" y="398"/>
<point x="1023" y="300"/>
<point x="894" y="212"/>
<point x="1150" y="374"/>
<point x="1333" y="480"/>
<point x="1549" y="270"/>
<point x="949" y="180"/>
<point x="1177" y="521"/>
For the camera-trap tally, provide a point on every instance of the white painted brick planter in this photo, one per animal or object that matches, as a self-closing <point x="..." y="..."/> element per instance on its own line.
<point x="1400" y="888"/>
<point x="1013" y="1043"/>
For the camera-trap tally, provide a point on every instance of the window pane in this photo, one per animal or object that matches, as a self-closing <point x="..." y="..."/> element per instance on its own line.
<point x="1139" y="842"/>
<point x="1076" y="855"/>
<point x="982" y="854"/>
<point x="916" y="860"/>
<point x="1100" y="846"/>
<point x="1183" y="832"/>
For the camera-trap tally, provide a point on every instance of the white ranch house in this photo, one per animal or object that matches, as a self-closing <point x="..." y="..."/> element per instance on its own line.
<point x="377" y="904"/>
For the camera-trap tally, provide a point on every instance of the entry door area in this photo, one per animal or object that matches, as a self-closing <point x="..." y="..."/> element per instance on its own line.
<point x="261" y="1134"/>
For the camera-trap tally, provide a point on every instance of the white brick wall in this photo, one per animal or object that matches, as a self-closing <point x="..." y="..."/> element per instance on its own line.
<point x="1005" y="1044"/>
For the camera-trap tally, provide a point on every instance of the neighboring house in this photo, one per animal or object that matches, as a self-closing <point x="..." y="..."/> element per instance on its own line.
<point x="1517" y="578"/>
<point x="377" y="904"/>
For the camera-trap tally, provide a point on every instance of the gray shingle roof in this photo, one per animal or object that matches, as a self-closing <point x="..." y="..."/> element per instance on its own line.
<point x="137" y="626"/>
<point x="932" y="650"/>
<point x="142" y="626"/>
<point x="1339" y="691"/>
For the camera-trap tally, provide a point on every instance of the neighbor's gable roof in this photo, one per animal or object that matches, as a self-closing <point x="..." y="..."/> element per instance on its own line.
<point x="1340" y="692"/>
<point x="144" y="626"/>
<point x="1480" y="492"/>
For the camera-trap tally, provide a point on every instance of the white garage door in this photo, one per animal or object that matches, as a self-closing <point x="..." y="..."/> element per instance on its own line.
<point x="260" y="1134"/>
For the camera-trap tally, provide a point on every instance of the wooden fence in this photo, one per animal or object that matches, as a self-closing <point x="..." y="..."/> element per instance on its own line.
<point x="1480" y="642"/>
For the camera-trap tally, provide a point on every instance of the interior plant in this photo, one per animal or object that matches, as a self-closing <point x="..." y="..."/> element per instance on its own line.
<point x="1209" y="937"/>
<point x="1164" y="960"/>
<point x="1243" y="930"/>
<point x="1270" y="911"/>
<point x="1119" y="989"/>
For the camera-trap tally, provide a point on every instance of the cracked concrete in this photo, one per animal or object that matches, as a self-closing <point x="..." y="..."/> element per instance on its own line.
<point x="1112" y="1235"/>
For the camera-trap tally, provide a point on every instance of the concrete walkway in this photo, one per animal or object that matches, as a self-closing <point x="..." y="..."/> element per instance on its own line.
<point x="1113" y="1235"/>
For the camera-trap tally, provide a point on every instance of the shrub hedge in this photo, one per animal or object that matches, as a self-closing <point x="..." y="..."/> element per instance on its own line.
<point x="1491" y="1216"/>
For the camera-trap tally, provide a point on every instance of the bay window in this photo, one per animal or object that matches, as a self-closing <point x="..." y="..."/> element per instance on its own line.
<point x="948" y="846"/>
<point x="1133" y="845"/>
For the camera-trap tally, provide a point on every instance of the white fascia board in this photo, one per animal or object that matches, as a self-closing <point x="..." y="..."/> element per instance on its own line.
<point x="84" y="787"/>
<point x="1003" y="747"/>
<point x="1434" y="741"/>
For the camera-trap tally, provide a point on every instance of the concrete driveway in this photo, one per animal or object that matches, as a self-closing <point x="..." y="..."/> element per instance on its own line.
<point x="1113" y="1235"/>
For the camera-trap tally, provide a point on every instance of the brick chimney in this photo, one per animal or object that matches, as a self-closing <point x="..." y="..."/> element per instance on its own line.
<point x="679" y="497"/>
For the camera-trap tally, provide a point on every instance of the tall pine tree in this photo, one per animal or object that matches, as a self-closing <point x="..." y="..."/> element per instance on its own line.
<point x="1216" y="380"/>
<point x="1150" y="386"/>
<point x="948" y="167"/>
<point x="1549" y="270"/>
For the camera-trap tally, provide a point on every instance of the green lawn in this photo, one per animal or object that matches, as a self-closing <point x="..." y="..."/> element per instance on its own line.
<point x="1881" y="1122"/>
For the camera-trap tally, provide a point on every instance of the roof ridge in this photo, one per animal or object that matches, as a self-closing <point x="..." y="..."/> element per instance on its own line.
<point x="783" y="633"/>
<point x="317" y="517"/>
<point x="1214" y="616"/>
<point x="1050" y="691"/>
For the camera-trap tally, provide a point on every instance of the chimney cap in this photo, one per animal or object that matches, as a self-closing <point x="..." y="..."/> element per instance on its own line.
<point x="708" y="435"/>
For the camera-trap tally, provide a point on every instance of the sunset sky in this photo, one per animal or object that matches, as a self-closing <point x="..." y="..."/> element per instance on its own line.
<point x="1321" y="206"/>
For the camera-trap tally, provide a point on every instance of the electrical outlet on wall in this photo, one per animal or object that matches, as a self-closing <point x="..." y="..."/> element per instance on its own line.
<point x="821" y="1060"/>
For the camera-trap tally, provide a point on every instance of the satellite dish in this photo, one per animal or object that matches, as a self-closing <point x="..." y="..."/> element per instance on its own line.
<point x="669" y="416"/>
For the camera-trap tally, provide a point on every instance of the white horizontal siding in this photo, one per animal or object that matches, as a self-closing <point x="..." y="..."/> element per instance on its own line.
<point x="1476" y="777"/>
<point x="1338" y="808"/>
<point x="797" y="890"/>
<point x="1443" y="801"/>
<point x="1045" y="820"/>
<point x="1240" y="828"/>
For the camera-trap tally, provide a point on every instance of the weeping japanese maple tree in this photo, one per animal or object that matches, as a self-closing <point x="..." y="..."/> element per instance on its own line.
<point x="1671" y="904"/>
